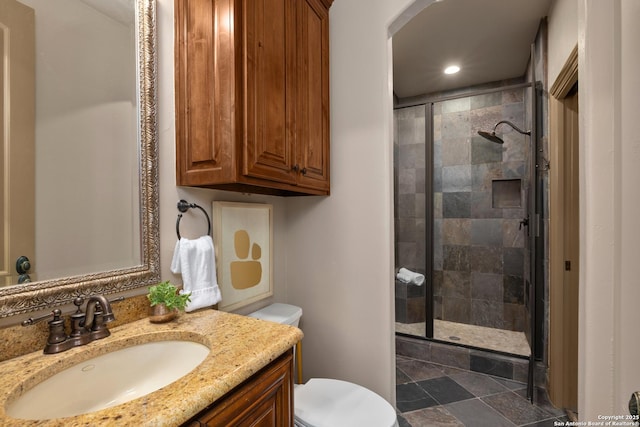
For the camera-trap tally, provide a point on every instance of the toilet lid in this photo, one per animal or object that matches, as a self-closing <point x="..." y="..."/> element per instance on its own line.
<point x="326" y="402"/>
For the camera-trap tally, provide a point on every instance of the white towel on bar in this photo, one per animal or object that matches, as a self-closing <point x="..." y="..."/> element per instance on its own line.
<point x="196" y="261"/>
<point x="407" y="276"/>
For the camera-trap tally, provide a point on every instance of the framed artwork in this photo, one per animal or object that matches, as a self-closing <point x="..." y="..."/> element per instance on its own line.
<point x="243" y="240"/>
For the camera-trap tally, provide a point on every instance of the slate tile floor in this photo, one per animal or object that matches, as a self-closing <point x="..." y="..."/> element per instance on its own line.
<point x="428" y="394"/>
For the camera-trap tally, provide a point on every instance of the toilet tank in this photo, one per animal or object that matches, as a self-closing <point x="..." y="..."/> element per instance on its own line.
<point x="280" y="313"/>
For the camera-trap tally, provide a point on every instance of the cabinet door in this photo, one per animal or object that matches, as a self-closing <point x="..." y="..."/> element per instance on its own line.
<point x="205" y="82"/>
<point x="265" y="400"/>
<point x="269" y="45"/>
<point x="312" y="119"/>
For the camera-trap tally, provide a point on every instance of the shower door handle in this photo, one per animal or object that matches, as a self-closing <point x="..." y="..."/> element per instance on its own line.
<point x="524" y="222"/>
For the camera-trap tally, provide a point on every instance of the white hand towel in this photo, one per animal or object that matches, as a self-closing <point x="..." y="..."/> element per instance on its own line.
<point x="407" y="276"/>
<point x="195" y="259"/>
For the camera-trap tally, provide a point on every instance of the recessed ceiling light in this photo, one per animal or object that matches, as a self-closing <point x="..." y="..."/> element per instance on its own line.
<point x="451" y="69"/>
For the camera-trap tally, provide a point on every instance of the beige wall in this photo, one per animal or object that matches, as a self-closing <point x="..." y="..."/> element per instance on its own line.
<point x="341" y="248"/>
<point x="608" y="41"/>
<point x="193" y="224"/>
<point x="333" y="255"/>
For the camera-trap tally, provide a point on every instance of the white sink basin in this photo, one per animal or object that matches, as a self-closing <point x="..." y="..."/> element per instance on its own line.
<point x="109" y="380"/>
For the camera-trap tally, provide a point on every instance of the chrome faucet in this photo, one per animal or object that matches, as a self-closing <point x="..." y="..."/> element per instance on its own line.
<point x="85" y="327"/>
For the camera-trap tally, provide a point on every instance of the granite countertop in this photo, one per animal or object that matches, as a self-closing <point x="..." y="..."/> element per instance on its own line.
<point x="240" y="346"/>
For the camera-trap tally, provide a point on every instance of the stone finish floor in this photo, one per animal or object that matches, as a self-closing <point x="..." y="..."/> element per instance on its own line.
<point x="477" y="336"/>
<point x="429" y="394"/>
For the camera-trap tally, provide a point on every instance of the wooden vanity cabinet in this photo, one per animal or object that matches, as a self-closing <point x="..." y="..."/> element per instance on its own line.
<point x="264" y="400"/>
<point x="252" y="95"/>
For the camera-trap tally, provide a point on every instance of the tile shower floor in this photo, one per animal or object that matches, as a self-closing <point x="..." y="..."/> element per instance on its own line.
<point x="477" y="336"/>
<point x="428" y="394"/>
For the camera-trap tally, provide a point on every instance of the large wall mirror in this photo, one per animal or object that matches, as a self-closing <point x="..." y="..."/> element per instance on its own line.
<point x="78" y="164"/>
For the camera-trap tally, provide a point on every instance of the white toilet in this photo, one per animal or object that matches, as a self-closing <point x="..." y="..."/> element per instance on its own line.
<point x="323" y="402"/>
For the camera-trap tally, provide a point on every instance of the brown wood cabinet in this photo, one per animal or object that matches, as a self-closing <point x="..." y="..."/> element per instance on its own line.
<point x="252" y="95"/>
<point x="264" y="400"/>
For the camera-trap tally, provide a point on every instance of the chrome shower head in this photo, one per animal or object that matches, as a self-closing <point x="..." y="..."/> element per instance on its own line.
<point x="491" y="136"/>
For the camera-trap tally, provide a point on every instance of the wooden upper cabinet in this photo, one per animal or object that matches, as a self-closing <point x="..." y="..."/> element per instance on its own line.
<point x="312" y="71"/>
<point x="269" y="92"/>
<point x="252" y="95"/>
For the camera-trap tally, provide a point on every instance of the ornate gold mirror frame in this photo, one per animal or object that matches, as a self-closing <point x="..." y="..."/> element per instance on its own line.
<point x="49" y="293"/>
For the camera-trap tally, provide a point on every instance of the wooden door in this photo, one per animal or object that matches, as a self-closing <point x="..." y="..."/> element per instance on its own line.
<point x="564" y="222"/>
<point x="312" y="119"/>
<point x="571" y="229"/>
<point x="269" y="89"/>
<point x="17" y="136"/>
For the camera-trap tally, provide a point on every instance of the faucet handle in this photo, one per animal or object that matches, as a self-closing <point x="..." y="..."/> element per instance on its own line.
<point x="57" y="333"/>
<point x="78" y="301"/>
<point x="77" y="322"/>
<point x="58" y="339"/>
<point x="32" y="321"/>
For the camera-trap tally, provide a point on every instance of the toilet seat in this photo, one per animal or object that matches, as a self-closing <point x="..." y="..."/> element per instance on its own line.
<point x="323" y="402"/>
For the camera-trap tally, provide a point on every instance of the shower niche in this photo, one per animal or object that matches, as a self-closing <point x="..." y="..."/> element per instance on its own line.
<point x="506" y="193"/>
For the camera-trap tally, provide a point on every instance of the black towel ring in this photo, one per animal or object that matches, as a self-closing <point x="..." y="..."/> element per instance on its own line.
<point x="184" y="206"/>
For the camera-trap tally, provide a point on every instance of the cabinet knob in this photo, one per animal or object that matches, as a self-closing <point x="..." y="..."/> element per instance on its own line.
<point x="295" y="168"/>
<point x="303" y="171"/>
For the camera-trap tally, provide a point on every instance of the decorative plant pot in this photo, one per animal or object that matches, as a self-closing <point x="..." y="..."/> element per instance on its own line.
<point x="161" y="314"/>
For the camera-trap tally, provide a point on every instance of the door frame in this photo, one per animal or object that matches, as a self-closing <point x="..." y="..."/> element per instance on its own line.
<point x="563" y="332"/>
<point x="17" y="138"/>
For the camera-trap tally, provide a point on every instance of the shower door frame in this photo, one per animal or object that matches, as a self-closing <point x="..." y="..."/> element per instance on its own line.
<point x="532" y="211"/>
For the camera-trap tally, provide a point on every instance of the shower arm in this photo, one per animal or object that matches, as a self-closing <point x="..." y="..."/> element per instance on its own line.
<point x="516" y="128"/>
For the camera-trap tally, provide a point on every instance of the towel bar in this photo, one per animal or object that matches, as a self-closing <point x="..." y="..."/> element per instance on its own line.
<point x="184" y="206"/>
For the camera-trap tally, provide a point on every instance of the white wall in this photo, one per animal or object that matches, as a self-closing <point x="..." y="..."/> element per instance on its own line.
<point x="628" y="230"/>
<point x="608" y="41"/>
<point x="563" y="35"/>
<point x="333" y="254"/>
<point x="84" y="132"/>
<point x="340" y="248"/>
<point x="193" y="223"/>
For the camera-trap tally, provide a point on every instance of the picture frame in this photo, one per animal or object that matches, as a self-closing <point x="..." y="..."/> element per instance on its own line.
<point x="243" y="241"/>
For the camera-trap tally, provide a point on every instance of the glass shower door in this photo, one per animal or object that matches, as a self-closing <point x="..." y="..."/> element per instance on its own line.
<point x="411" y="127"/>
<point x="478" y="207"/>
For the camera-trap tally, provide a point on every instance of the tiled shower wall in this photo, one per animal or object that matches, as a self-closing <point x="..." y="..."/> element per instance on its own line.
<point x="409" y="190"/>
<point x="479" y="201"/>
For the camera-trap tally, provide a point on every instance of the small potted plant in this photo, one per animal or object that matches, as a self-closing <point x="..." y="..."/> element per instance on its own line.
<point x="166" y="301"/>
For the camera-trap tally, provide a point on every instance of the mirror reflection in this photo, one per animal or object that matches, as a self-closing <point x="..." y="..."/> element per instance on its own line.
<point x="69" y="168"/>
